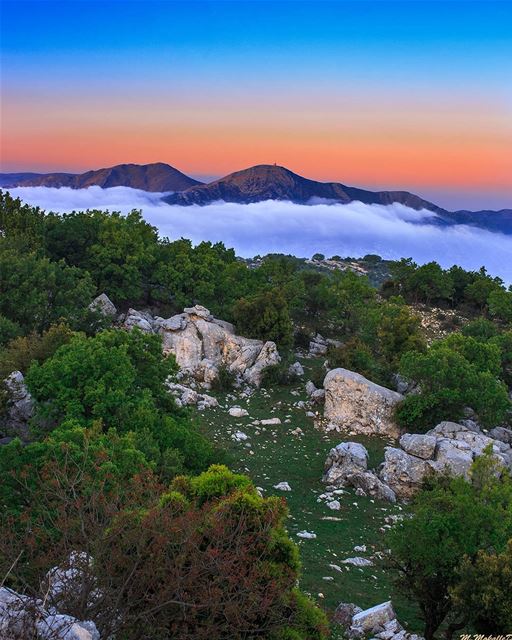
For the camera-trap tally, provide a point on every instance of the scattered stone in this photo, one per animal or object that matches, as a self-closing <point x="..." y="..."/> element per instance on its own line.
<point x="238" y="412"/>
<point x="240" y="436"/>
<point x="270" y="421"/>
<point x="334" y="505"/>
<point x="296" y="369"/>
<point x="307" y="535"/>
<point x="358" y="562"/>
<point x="282" y="486"/>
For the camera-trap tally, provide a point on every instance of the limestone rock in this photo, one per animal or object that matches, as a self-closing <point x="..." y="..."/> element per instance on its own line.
<point x="419" y="445"/>
<point x="201" y="344"/>
<point x="403" y="473"/>
<point x="343" y="460"/>
<point x="20" y="406"/>
<point x="371" y="485"/>
<point x="282" y="486"/>
<point x="296" y="369"/>
<point x="358" y="405"/>
<point x="318" y="346"/>
<point x="138" y="319"/>
<point x="238" y="412"/>
<point x="344" y="613"/>
<point x="185" y="396"/>
<point x="376" y="616"/>
<point x="502" y="434"/>
<point x="104" y="305"/>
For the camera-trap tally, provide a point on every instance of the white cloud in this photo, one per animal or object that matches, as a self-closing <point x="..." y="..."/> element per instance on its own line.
<point x="354" y="229"/>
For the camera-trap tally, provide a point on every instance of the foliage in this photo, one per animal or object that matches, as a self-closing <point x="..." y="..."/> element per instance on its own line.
<point x="37" y="292"/>
<point x="454" y="373"/>
<point x="450" y="521"/>
<point x="265" y="316"/>
<point x="116" y="379"/>
<point x="22" y="351"/>
<point x="8" y="330"/>
<point x="206" y="558"/>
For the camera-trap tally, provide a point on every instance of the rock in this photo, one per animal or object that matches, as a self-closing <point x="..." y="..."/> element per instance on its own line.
<point x="354" y="403"/>
<point x="185" y="396"/>
<point x="270" y="421"/>
<point x="138" y="319"/>
<point x="318" y="346"/>
<point x="267" y="357"/>
<point x="307" y="535"/>
<point x="358" y="562"/>
<point x="296" y="369"/>
<point x="22" y="616"/>
<point x="403" y="473"/>
<point x="344" y="459"/>
<point x="421" y="446"/>
<point x="63" y="627"/>
<point x="360" y="548"/>
<point x="369" y="483"/>
<point x="318" y="396"/>
<point x="310" y="387"/>
<point x="240" y="436"/>
<point x="334" y="505"/>
<point x="20" y="406"/>
<point x="376" y="616"/>
<point x="104" y="305"/>
<point x="502" y="434"/>
<point x="238" y="412"/>
<point x="202" y="344"/>
<point x="282" y="486"/>
<point x="344" y="613"/>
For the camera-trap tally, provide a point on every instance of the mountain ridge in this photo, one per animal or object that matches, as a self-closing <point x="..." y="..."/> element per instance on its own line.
<point x="157" y="176"/>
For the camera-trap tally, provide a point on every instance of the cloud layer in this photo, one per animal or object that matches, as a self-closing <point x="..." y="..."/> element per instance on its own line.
<point x="354" y="229"/>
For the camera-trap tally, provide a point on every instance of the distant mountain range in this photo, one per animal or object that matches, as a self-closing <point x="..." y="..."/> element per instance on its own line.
<point x="149" y="177"/>
<point x="255" y="184"/>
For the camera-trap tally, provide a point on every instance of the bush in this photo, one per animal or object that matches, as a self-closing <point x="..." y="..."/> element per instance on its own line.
<point x="225" y="380"/>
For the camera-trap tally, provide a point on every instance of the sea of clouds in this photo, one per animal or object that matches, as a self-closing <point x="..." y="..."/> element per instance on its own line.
<point x="353" y="229"/>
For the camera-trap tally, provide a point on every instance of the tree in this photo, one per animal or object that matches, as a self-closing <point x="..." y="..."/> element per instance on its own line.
<point x="500" y="305"/>
<point x="204" y="558"/>
<point x="37" y="292"/>
<point x="117" y="379"/>
<point x="454" y="373"/>
<point x="450" y="522"/>
<point x="265" y="316"/>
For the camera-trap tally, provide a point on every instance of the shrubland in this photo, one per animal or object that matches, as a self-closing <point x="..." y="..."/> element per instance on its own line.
<point x="181" y="546"/>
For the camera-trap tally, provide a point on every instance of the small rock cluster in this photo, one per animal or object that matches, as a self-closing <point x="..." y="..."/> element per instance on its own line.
<point x="186" y="396"/>
<point x="20" y="407"/>
<point x="449" y="447"/>
<point x="377" y="622"/>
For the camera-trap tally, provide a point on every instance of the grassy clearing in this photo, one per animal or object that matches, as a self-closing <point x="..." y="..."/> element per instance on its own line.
<point x="272" y="454"/>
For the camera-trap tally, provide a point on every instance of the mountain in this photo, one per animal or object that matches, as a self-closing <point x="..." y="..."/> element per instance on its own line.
<point x="270" y="182"/>
<point x="500" y="221"/>
<point x="149" y="177"/>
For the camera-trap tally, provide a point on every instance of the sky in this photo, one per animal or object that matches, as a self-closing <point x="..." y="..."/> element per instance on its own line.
<point x="410" y="95"/>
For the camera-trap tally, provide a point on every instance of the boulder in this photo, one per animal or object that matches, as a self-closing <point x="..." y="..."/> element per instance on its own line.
<point x="375" y="617"/>
<point x="318" y="346"/>
<point x="201" y="344"/>
<point x="404" y="474"/>
<point x="369" y="483"/>
<point x="104" y="305"/>
<point x="238" y="412"/>
<point x="343" y="460"/>
<point x="502" y="434"/>
<point x="63" y="627"/>
<point x="358" y="405"/>
<point x="139" y="320"/>
<point x="20" y="406"/>
<point x="185" y="396"/>
<point x="419" y="445"/>
<point x="282" y="486"/>
<point x="296" y="369"/>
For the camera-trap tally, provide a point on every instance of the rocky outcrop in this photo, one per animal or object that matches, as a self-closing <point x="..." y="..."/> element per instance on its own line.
<point x="185" y="396"/>
<point x="447" y="448"/>
<point x="346" y="466"/>
<point x="359" y="406"/>
<point x="104" y="305"/>
<point x="202" y="344"/>
<point x="23" y="616"/>
<point x="20" y="407"/>
<point x="379" y="622"/>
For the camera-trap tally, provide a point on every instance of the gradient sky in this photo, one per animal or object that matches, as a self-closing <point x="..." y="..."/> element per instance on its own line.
<point x="410" y="94"/>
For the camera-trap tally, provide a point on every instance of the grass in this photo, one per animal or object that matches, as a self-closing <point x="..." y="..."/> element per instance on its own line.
<point x="273" y="454"/>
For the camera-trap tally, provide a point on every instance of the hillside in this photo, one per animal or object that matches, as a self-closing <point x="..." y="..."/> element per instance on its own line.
<point x="149" y="177"/>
